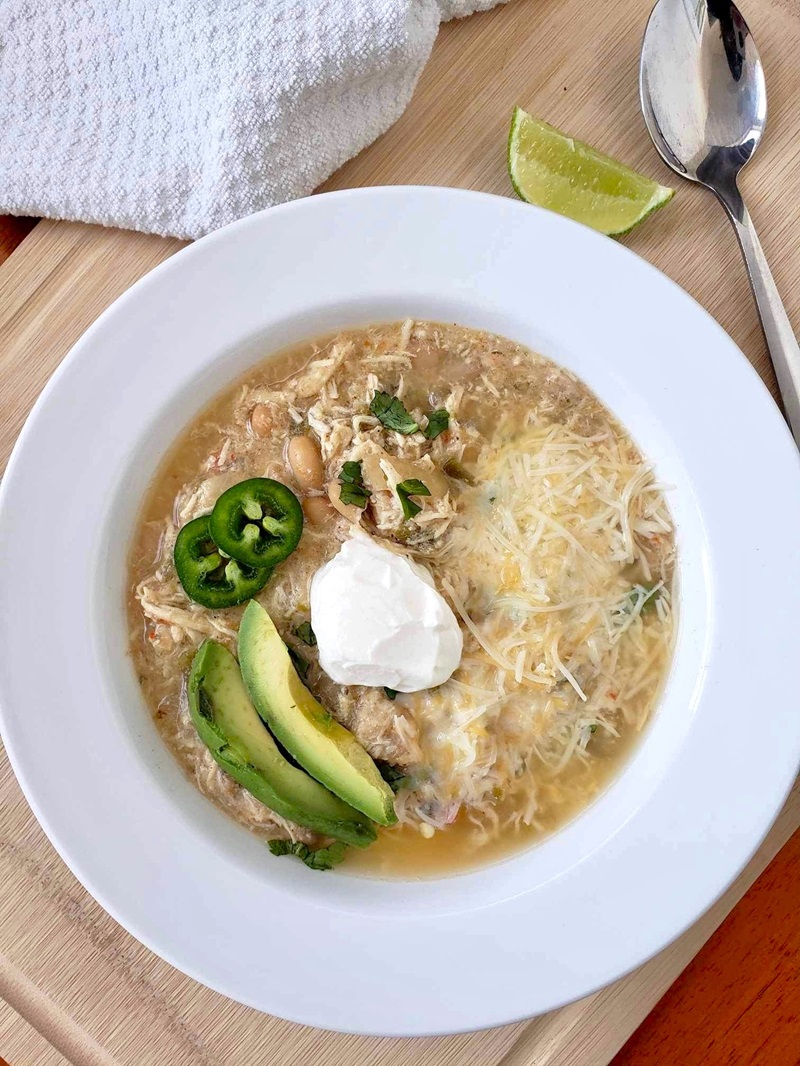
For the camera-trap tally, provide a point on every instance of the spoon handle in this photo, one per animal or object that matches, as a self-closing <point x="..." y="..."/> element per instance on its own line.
<point x="781" y="341"/>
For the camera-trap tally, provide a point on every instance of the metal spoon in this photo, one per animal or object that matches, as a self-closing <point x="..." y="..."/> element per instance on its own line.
<point x="705" y="105"/>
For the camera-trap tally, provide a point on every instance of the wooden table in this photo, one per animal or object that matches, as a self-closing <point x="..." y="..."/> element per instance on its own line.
<point x="78" y="991"/>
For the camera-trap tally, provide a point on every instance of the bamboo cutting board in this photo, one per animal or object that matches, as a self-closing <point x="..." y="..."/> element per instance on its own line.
<point x="79" y="990"/>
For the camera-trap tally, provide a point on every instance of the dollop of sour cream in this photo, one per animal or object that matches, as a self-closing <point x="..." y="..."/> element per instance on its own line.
<point x="380" y="621"/>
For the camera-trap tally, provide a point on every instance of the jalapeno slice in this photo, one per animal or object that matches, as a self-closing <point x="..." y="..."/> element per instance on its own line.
<point x="207" y="576"/>
<point x="258" y="522"/>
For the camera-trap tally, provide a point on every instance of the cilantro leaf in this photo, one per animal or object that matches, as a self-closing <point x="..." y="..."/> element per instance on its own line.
<point x="306" y="634"/>
<point x="438" y="422"/>
<point x="394" y="777"/>
<point x="326" y="858"/>
<point x="391" y="412"/>
<point x="389" y="693"/>
<point x="355" y="495"/>
<point x="299" y="663"/>
<point x="281" y="847"/>
<point x="405" y="490"/>
<point x="644" y="594"/>
<point x="353" y="491"/>
<point x="321" y="859"/>
<point x="351" y="473"/>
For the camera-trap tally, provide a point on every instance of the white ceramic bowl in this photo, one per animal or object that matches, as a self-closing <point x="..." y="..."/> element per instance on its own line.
<point x="545" y="926"/>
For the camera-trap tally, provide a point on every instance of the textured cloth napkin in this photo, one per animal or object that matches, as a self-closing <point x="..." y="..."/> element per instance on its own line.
<point x="177" y="116"/>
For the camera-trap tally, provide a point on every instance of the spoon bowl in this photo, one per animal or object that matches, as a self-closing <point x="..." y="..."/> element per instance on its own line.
<point x="702" y="88"/>
<point x="704" y="100"/>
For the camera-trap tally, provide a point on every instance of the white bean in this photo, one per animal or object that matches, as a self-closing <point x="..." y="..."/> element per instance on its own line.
<point x="306" y="463"/>
<point x="261" y="420"/>
<point x="318" y="510"/>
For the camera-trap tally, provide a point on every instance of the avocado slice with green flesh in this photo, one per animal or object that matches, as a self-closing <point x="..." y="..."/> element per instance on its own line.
<point x="228" y="725"/>
<point x="309" y="733"/>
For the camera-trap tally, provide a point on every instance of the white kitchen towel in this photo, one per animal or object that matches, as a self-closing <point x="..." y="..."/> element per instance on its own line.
<point x="177" y="116"/>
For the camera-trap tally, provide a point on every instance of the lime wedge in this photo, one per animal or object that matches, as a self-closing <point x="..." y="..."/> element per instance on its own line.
<point x="555" y="171"/>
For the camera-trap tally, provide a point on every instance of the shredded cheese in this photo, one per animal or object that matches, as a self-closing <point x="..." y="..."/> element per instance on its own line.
<point x="540" y="565"/>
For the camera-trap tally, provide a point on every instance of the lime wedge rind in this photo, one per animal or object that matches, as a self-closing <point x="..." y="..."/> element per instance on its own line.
<point x="557" y="172"/>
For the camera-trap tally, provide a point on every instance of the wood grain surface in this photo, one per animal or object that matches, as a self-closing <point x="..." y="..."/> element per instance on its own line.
<point x="12" y="232"/>
<point x="23" y="1044"/>
<point x="738" y="1002"/>
<point x="69" y="975"/>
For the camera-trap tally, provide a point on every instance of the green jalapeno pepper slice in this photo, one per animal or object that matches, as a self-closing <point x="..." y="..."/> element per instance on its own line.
<point x="257" y="522"/>
<point x="207" y="576"/>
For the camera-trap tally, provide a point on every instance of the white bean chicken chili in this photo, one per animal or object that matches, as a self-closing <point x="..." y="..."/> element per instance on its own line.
<point x="543" y="527"/>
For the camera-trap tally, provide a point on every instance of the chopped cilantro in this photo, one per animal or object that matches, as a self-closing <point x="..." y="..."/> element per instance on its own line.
<point x="438" y="422"/>
<point x="405" y="490"/>
<point x="391" y="412"/>
<point x="644" y="593"/>
<point x="353" y="491"/>
<point x="390" y="693"/>
<point x="299" y="663"/>
<point x="321" y="859"/>
<point x="394" y="777"/>
<point x="351" y="473"/>
<point x="356" y="495"/>
<point x="306" y="634"/>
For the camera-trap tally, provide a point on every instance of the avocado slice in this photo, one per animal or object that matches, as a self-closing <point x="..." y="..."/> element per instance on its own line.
<point x="228" y="725"/>
<point x="302" y="725"/>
